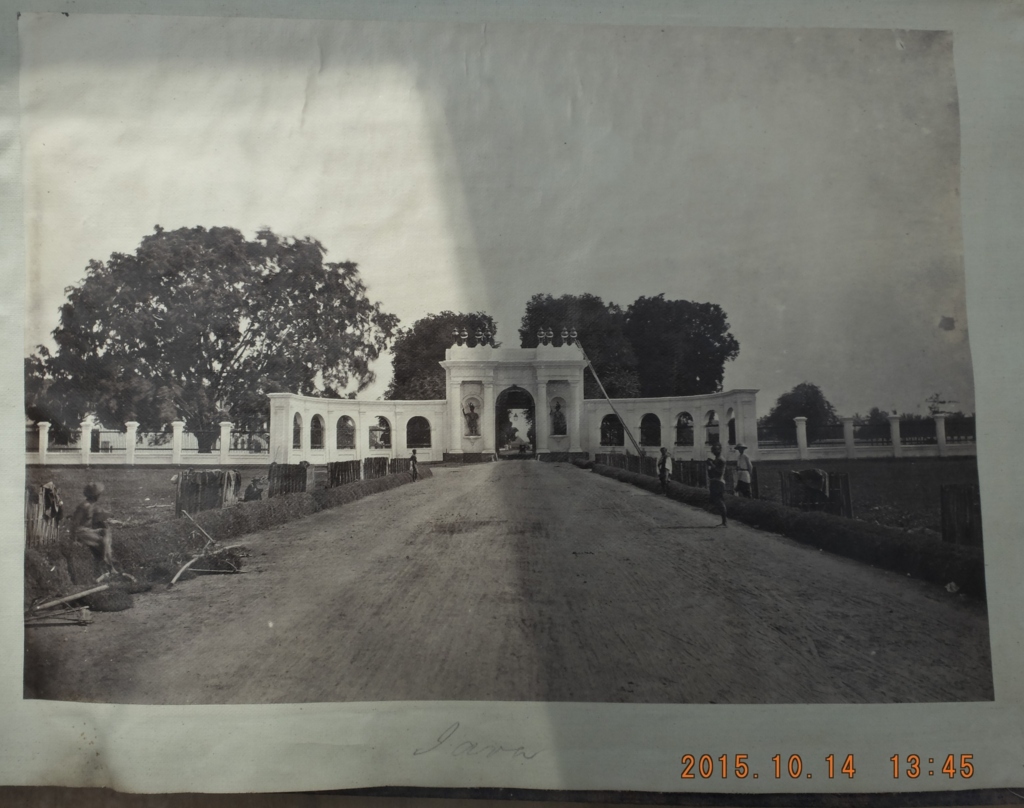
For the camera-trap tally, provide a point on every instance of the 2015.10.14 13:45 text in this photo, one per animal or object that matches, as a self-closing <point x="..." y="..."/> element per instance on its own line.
<point x="705" y="767"/>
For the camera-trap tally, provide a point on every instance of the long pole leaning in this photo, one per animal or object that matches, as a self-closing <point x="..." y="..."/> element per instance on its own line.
<point x="640" y="452"/>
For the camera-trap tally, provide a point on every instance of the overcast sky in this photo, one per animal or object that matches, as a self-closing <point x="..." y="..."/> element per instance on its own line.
<point x="806" y="180"/>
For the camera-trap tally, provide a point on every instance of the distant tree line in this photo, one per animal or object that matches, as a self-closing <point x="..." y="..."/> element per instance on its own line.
<point x="808" y="400"/>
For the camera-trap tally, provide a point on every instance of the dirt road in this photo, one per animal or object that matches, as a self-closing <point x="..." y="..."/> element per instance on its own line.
<point x="526" y="581"/>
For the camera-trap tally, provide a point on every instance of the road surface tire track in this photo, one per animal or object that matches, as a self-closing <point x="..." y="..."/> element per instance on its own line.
<point x="526" y="581"/>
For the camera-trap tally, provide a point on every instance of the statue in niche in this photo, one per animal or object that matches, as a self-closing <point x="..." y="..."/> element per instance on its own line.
<point x="472" y="420"/>
<point x="558" y="419"/>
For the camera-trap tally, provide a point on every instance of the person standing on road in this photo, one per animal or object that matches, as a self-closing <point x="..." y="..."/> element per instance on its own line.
<point x="743" y="468"/>
<point x="89" y="525"/>
<point x="414" y="466"/>
<point x="663" y="462"/>
<point x="716" y="482"/>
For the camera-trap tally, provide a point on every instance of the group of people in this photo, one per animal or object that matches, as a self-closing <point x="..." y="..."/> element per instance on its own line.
<point x="716" y="466"/>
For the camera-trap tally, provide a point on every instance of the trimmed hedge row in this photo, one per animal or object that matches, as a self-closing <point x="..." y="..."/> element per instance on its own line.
<point x="929" y="559"/>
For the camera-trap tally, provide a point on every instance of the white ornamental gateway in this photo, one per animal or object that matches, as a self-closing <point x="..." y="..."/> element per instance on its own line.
<point x="503" y="402"/>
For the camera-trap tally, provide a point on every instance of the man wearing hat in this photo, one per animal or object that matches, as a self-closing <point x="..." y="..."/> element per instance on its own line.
<point x="743" y="469"/>
<point x="89" y="525"/>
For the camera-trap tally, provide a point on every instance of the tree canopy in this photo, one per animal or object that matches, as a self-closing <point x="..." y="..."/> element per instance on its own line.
<point x="201" y="324"/>
<point x="805" y="400"/>
<point x="417" y="351"/>
<point x="681" y="347"/>
<point x="600" y="330"/>
<point x="655" y="347"/>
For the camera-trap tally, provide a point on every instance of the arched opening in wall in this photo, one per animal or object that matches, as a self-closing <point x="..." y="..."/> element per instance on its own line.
<point x="684" y="429"/>
<point x="730" y="426"/>
<point x="515" y="423"/>
<point x="346" y="433"/>
<point x="380" y="434"/>
<point x="612" y="431"/>
<point x="316" y="432"/>
<point x="417" y="433"/>
<point x="650" y="430"/>
<point x="297" y="431"/>
<point x="711" y="429"/>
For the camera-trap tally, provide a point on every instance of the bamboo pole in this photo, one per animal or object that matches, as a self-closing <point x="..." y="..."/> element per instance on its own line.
<point x="68" y="598"/>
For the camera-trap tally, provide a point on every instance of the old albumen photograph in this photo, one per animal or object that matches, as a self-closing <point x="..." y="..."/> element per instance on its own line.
<point x="395" y="361"/>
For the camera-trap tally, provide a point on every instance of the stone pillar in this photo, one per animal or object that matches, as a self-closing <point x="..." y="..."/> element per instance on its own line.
<point x="176" y="429"/>
<point x="894" y="431"/>
<point x="456" y="424"/>
<point x="280" y="428"/>
<point x="487" y="425"/>
<point x="85" y="442"/>
<point x="225" y="440"/>
<point x="940" y="434"/>
<point x="44" y="440"/>
<point x="131" y="435"/>
<point x="541" y="416"/>
<point x="399" y="434"/>
<point x="307" y="425"/>
<point x="700" y="451"/>
<point x="749" y="435"/>
<point x="801" y="437"/>
<point x="848" y="434"/>
<point x="360" y="436"/>
<point x="575" y="420"/>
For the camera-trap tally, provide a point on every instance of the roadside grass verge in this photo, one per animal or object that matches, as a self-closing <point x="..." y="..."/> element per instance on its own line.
<point x="920" y="557"/>
<point x="152" y="553"/>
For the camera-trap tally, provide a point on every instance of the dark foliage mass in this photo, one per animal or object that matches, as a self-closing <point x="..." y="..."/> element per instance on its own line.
<point x="681" y="347"/>
<point x="805" y="400"/>
<point x="417" y="352"/>
<point x="201" y="324"/>
<point x="655" y="347"/>
<point x="600" y="330"/>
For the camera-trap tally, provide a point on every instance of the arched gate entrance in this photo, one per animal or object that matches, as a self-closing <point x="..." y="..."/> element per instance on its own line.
<point x="515" y="424"/>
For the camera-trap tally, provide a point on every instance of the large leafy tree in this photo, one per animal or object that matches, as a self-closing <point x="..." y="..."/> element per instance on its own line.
<point x="417" y="352"/>
<point x="807" y="400"/>
<point x="599" y="327"/>
<point x="202" y="323"/>
<point x="681" y="347"/>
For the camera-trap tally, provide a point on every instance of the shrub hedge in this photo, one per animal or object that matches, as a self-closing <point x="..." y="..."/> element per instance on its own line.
<point x="929" y="559"/>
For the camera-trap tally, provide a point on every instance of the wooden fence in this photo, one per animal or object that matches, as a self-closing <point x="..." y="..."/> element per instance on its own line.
<point x="814" y="490"/>
<point x="399" y="465"/>
<point x="287" y="478"/>
<point x="200" y="490"/>
<point x="43" y="513"/>
<point x="961" y="514"/>
<point x="343" y="473"/>
<point x="375" y="467"/>
<point x="690" y="472"/>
